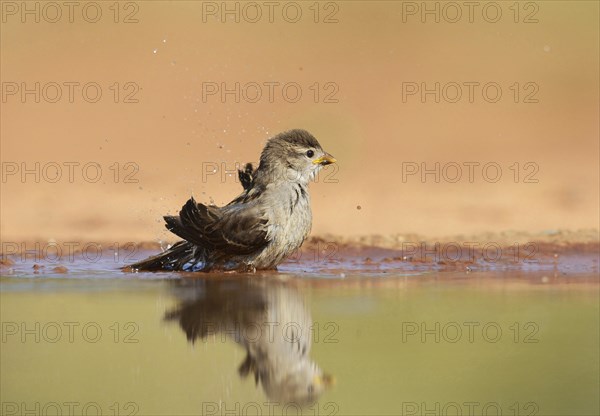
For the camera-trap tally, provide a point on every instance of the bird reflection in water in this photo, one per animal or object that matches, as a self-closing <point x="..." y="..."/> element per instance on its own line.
<point x="269" y="319"/>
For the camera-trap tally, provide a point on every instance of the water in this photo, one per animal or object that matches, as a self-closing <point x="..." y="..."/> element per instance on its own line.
<point x="414" y="340"/>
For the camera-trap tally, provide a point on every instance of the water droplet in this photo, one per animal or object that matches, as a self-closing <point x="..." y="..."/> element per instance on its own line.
<point x="358" y="207"/>
<point x="155" y="50"/>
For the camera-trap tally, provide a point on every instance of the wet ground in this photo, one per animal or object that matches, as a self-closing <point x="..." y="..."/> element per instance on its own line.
<point x="338" y="330"/>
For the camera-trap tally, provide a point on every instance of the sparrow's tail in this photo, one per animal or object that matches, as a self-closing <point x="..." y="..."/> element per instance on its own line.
<point x="181" y="256"/>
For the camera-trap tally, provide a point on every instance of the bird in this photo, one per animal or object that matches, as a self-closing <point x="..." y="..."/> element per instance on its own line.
<point x="269" y="319"/>
<point x="259" y="228"/>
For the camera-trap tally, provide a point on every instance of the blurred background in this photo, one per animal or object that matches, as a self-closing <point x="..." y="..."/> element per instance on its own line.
<point x="445" y="120"/>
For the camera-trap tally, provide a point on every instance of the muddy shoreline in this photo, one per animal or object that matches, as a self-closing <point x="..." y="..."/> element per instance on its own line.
<point x="546" y="257"/>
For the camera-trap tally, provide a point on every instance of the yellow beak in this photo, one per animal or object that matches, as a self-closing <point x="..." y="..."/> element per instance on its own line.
<point x="326" y="159"/>
<point x="325" y="380"/>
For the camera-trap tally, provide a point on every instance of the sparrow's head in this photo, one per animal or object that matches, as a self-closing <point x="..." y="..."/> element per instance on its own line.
<point x="303" y="383"/>
<point x="294" y="155"/>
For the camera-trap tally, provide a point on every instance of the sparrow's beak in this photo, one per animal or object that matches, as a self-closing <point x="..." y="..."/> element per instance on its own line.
<point x="324" y="380"/>
<point x="326" y="159"/>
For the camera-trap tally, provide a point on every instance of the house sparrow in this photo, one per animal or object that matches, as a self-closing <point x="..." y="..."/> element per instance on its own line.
<point x="266" y="223"/>
<point x="266" y="317"/>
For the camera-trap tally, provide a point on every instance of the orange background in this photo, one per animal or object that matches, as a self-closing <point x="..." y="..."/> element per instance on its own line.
<point x="172" y="135"/>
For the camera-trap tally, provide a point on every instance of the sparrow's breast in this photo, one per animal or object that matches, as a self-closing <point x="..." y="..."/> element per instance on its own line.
<point x="300" y="216"/>
<point x="290" y="221"/>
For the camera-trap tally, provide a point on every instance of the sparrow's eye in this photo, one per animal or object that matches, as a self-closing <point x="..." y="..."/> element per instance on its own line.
<point x="310" y="153"/>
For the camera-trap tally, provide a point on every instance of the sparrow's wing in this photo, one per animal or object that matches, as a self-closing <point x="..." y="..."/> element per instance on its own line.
<point x="191" y="221"/>
<point x="237" y="230"/>
<point x="246" y="176"/>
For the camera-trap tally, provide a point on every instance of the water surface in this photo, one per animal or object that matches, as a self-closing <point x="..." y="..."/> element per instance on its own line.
<point x="390" y="337"/>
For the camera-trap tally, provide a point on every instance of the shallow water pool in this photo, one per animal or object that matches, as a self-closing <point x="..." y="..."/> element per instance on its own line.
<point x="415" y="340"/>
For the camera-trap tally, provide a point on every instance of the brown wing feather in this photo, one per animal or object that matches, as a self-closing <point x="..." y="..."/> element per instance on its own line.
<point x="246" y="176"/>
<point x="235" y="231"/>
